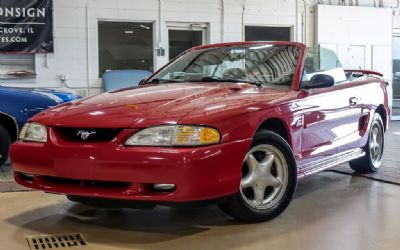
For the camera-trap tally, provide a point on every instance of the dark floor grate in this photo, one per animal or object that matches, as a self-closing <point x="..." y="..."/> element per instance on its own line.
<point x="56" y="241"/>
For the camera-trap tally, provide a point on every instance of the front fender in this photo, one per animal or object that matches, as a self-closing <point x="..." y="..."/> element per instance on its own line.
<point x="22" y="107"/>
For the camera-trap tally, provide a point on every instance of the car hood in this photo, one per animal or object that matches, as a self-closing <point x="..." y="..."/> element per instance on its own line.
<point x="157" y="104"/>
<point x="64" y="94"/>
<point x="58" y="96"/>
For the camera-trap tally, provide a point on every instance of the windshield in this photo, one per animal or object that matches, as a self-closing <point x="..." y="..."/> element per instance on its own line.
<point x="263" y="64"/>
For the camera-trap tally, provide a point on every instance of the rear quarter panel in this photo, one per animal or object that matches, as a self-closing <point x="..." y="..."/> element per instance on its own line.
<point x="374" y="94"/>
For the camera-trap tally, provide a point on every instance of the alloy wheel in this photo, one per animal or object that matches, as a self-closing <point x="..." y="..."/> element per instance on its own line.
<point x="264" y="177"/>
<point x="376" y="140"/>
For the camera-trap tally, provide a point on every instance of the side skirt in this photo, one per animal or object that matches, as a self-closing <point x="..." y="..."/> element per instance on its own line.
<point x="328" y="162"/>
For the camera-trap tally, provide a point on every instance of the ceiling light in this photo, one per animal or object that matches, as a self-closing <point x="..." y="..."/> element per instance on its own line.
<point x="145" y="27"/>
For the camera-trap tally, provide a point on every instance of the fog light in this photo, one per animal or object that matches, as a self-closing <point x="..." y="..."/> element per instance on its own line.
<point x="27" y="177"/>
<point x="164" y="187"/>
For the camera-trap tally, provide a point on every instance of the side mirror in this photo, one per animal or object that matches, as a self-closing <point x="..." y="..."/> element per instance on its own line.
<point x="320" y="81"/>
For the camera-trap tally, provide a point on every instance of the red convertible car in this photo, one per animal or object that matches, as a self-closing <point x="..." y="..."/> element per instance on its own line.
<point x="234" y="123"/>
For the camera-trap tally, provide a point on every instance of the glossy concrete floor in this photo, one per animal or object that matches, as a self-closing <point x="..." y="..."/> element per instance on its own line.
<point x="330" y="211"/>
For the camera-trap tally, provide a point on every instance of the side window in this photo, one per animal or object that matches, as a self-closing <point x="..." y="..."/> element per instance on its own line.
<point x="323" y="61"/>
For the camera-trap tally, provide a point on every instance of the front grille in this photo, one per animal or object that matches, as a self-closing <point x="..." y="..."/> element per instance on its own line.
<point x="85" y="183"/>
<point x="88" y="134"/>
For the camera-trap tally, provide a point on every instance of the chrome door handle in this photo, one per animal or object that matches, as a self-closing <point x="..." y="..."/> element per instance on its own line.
<point x="353" y="101"/>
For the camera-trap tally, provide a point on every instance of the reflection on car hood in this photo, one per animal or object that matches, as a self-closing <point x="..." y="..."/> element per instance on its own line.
<point x="157" y="104"/>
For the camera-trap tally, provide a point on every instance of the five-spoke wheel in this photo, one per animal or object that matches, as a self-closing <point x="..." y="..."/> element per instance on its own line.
<point x="268" y="180"/>
<point x="264" y="176"/>
<point x="376" y="144"/>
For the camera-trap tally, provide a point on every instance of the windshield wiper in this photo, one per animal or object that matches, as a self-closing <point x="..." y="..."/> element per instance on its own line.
<point x="158" y="80"/>
<point x="217" y="79"/>
<point x="207" y="79"/>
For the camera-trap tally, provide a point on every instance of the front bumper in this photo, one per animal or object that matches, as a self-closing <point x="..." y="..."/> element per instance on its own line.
<point x="111" y="170"/>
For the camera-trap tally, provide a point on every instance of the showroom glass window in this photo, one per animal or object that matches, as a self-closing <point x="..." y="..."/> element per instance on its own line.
<point x="125" y="45"/>
<point x="182" y="40"/>
<point x="265" y="64"/>
<point x="267" y="33"/>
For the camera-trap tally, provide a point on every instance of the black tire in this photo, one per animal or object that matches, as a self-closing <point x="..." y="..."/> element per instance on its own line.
<point x="366" y="164"/>
<point x="5" y="142"/>
<point x="239" y="208"/>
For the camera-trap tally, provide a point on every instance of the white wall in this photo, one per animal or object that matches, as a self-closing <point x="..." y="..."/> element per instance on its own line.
<point x="354" y="33"/>
<point x="307" y="11"/>
<point x="75" y="29"/>
<point x="353" y="27"/>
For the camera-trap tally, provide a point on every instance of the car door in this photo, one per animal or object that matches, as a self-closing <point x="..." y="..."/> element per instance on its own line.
<point x="330" y="114"/>
<point x="350" y="129"/>
<point x="331" y="117"/>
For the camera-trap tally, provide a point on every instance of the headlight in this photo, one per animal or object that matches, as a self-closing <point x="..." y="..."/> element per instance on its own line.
<point x="179" y="135"/>
<point x="33" y="131"/>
